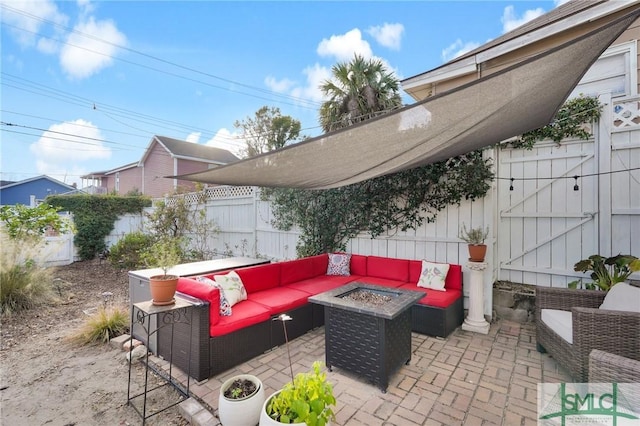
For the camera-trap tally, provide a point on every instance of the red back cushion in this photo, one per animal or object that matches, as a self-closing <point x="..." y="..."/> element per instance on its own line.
<point x="293" y="271"/>
<point x="261" y="277"/>
<point x="358" y="265"/>
<point x="453" y="280"/>
<point x="386" y="267"/>
<point x="204" y="292"/>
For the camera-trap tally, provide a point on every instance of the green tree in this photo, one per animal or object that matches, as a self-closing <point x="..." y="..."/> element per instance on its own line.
<point x="360" y="90"/>
<point x="30" y="223"/>
<point x="268" y="130"/>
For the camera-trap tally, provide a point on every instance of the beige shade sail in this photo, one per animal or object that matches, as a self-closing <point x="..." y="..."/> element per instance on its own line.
<point x="482" y="113"/>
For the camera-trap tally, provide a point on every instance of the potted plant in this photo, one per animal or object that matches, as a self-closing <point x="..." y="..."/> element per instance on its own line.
<point x="305" y="400"/>
<point x="606" y="271"/>
<point x="165" y="253"/>
<point x="475" y="237"/>
<point x="241" y="399"/>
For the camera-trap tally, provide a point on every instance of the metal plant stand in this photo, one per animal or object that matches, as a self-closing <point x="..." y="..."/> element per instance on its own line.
<point x="148" y="317"/>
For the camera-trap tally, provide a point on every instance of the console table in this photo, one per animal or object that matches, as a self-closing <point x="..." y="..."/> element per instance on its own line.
<point x="141" y="314"/>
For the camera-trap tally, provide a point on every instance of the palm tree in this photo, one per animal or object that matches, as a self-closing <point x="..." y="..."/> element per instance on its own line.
<point x="359" y="90"/>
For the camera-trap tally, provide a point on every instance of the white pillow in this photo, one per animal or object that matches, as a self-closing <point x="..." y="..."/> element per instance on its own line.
<point x="622" y="297"/>
<point x="339" y="264"/>
<point x="433" y="275"/>
<point x="559" y="321"/>
<point x="233" y="287"/>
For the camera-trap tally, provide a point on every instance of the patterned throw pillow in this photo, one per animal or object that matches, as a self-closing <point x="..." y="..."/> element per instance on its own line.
<point x="433" y="275"/>
<point x="233" y="287"/>
<point x="225" y="307"/>
<point x="339" y="264"/>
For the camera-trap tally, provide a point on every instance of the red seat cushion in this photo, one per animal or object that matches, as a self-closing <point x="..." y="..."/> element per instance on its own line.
<point x="358" y="264"/>
<point x="279" y="300"/>
<point x="245" y="314"/>
<point x="439" y="299"/>
<point x="319" y="285"/>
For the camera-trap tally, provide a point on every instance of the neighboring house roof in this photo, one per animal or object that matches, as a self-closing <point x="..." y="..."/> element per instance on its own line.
<point x="110" y="172"/>
<point x="33" y="179"/>
<point x="6" y="182"/>
<point x="191" y="151"/>
<point x="557" y="21"/>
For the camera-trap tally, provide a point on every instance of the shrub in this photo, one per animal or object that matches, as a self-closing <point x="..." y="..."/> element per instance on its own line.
<point x="126" y="253"/>
<point x="24" y="283"/>
<point x="107" y="323"/>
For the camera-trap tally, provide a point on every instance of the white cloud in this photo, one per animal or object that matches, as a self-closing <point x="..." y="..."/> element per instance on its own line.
<point x="560" y="2"/>
<point x="231" y="141"/>
<point x="193" y="137"/>
<point x="84" y="56"/>
<point x="280" y="86"/>
<point x="457" y="48"/>
<point x="388" y="35"/>
<point x="511" y="21"/>
<point x="57" y="145"/>
<point x="343" y="47"/>
<point x="21" y="14"/>
<point x="59" y="154"/>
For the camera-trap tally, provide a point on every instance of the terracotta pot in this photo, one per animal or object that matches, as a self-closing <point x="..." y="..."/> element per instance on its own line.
<point x="163" y="288"/>
<point x="241" y="412"/>
<point x="477" y="252"/>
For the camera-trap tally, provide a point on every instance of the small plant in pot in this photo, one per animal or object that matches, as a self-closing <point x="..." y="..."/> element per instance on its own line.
<point x="305" y="400"/>
<point x="475" y="237"/>
<point x="165" y="253"/>
<point x="241" y="399"/>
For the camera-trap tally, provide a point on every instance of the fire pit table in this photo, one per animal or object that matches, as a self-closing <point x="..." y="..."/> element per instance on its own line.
<point x="368" y="329"/>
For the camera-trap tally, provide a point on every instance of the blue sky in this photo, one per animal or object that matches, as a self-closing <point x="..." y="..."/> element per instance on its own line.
<point x="86" y="85"/>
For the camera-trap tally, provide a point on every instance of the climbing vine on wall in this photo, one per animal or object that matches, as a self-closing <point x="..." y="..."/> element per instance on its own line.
<point x="569" y="121"/>
<point x="329" y="218"/>
<point x="94" y="217"/>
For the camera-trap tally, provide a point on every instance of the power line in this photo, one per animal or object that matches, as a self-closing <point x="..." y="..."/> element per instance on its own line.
<point x="306" y="103"/>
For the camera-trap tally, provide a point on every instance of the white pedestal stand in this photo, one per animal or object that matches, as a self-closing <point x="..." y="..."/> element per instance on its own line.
<point x="475" y="317"/>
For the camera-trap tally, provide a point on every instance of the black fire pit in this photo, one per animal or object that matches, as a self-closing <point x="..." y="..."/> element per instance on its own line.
<point x="368" y="334"/>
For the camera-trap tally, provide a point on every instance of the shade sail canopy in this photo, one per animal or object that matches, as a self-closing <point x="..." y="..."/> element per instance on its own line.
<point x="513" y="101"/>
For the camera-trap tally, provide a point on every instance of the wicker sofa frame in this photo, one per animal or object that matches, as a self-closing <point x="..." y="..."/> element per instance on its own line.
<point x="213" y="355"/>
<point x="605" y="367"/>
<point x="593" y="328"/>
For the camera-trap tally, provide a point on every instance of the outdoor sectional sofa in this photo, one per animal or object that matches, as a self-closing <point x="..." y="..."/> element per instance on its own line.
<point x="220" y="342"/>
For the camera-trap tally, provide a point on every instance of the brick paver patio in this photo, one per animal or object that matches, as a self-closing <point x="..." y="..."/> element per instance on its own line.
<point x="465" y="379"/>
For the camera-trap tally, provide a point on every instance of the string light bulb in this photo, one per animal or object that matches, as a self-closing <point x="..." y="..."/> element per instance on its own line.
<point x="511" y="186"/>
<point x="575" y="186"/>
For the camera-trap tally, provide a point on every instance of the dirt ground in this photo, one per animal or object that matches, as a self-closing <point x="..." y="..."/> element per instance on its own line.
<point x="47" y="380"/>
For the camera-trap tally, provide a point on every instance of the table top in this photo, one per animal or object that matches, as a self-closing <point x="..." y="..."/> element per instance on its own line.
<point x="149" y="308"/>
<point x="400" y="299"/>
<point x="202" y="267"/>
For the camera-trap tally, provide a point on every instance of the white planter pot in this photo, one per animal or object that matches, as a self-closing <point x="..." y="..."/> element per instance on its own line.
<point x="241" y="412"/>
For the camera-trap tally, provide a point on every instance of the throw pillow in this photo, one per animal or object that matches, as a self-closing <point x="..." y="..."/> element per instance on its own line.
<point x="622" y="297"/>
<point x="233" y="287"/>
<point x="339" y="264"/>
<point x="433" y="275"/>
<point x="225" y="307"/>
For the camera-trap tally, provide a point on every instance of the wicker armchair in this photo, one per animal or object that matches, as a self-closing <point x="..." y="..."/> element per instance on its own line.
<point x="605" y="367"/>
<point x="617" y="332"/>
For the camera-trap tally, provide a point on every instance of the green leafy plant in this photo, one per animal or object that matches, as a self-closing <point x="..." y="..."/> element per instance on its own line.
<point x="126" y="253"/>
<point x="606" y="271"/>
<point x="108" y="322"/>
<point x="307" y="399"/>
<point x="473" y="235"/>
<point x="94" y="217"/>
<point x="568" y="122"/>
<point x="164" y="253"/>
